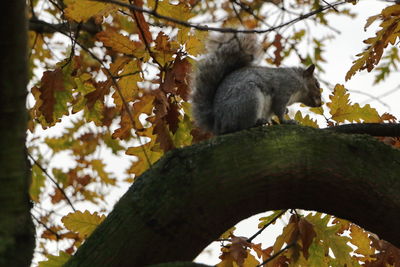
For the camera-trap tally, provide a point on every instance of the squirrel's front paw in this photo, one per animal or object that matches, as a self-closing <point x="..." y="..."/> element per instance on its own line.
<point x="293" y="122"/>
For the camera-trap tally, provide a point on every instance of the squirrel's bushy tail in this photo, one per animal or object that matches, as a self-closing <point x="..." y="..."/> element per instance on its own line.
<point x="227" y="52"/>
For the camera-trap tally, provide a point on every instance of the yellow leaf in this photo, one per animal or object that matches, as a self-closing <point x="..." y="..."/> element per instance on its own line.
<point x="306" y="121"/>
<point x="393" y="10"/>
<point x="82" y="10"/>
<point x="130" y="75"/>
<point x="341" y="109"/>
<point x="147" y="155"/>
<point x="228" y="233"/>
<point x="55" y="261"/>
<point x="82" y="223"/>
<point x="361" y="240"/>
<point x="195" y="43"/>
<point x="37" y="183"/>
<point x="99" y="167"/>
<point x="370" y="20"/>
<point x="121" y="43"/>
<point x="179" y="11"/>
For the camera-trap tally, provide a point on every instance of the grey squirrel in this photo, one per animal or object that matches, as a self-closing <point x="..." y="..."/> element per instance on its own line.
<point x="229" y="94"/>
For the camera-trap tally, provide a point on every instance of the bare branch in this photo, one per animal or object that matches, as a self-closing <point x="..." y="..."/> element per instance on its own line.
<point x="207" y="28"/>
<point x="374" y="129"/>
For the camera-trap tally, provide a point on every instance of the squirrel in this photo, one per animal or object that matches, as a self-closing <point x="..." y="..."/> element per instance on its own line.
<point x="230" y="94"/>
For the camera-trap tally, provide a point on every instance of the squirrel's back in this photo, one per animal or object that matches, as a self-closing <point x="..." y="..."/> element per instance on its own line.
<point x="227" y="53"/>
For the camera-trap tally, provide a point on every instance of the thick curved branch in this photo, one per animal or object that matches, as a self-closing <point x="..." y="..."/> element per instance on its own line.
<point x="374" y="129"/>
<point x="194" y="194"/>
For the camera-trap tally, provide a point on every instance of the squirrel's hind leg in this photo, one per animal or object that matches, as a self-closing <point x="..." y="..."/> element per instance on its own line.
<point x="242" y="111"/>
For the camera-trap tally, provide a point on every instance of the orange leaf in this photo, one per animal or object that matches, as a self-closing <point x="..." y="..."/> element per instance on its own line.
<point x="144" y="31"/>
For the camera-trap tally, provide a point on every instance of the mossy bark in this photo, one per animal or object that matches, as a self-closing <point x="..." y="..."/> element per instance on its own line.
<point x="192" y="195"/>
<point x="16" y="228"/>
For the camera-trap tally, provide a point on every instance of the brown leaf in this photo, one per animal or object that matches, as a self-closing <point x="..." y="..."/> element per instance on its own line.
<point x="57" y="196"/>
<point x="172" y="117"/>
<point x="102" y="89"/>
<point x="177" y="78"/>
<point x="307" y="235"/>
<point x="124" y="132"/>
<point x="278" y="45"/>
<point x="144" y="31"/>
<point x="51" y="82"/>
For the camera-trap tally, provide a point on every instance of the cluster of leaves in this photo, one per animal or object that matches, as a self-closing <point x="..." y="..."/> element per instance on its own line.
<point x="312" y="240"/>
<point x="388" y="34"/>
<point x="125" y="82"/>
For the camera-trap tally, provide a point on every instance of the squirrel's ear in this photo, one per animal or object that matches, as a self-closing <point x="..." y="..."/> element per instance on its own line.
<point x="309" y="71"/>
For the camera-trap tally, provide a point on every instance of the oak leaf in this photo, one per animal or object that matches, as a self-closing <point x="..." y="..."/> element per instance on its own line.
<point x="83" y="223"/>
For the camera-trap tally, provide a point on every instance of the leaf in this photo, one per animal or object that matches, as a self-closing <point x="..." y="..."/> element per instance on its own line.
<point x="278" y="49"/>
<point x="361" y="240"/>
<point x="147" y="155"/>
<point x="82" y="10"/>
<point x="120" y="43"/>
<point x="306" y="121"/>
<point x="128" y="89"/>
<point x="267" y="219"/>
<point x="180" y="11"/>
<point x="99" y="167"/>
<point x="37" y="183"/>
<point x="341" y="109"/>
<point x="228" y="233"/>
<point x="389" y="33"/>
<point x="82" y="223"/>
<point x="55" y="261"/>
<point x="144" y="32"/>
<point x="52" y="81"/>
<point x="237" y="252"/>
<point x="328" y="237"/>
<point x="307" y="234"/>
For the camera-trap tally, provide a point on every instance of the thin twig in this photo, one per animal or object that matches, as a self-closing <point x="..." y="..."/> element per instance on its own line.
<point x="52" y="180"/>
<point x="265" y="226"/>
<point x="217" y="29"/>
<point x="276" y="254"/>
<point x="45" y="226"/>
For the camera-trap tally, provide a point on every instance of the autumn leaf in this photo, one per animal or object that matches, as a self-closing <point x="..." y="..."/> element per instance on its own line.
<point x="120" y="43"/>
<point x="128" y="89"/>
<point x="83" y="223"/>
<point x="180" y="11"/>
<point x="278" y="49"/>
<point x="99" y="167"/>
<point x="388" y="34"/>
<point x="143" y="26"/>
<point x="55" y="261"/>
<point x="37" y="183"/>
<point x="360" y="239"/>
<point x="267" y="219"/>
<point x="329" y="238"/>
<point x="237" y="254"/>
<point x="147" y="154"/>
<point x="52" y="82"/>
<point x="82" y="10"/>
<point x="228" y="233"/>
<point x="341" y="109"/>
<point x="306" y="121"/>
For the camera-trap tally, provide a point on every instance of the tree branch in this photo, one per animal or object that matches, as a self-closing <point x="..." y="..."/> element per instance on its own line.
<point x="374" y="129"/>
<point x="207" y="28"/>
<point x="192" y="195"/>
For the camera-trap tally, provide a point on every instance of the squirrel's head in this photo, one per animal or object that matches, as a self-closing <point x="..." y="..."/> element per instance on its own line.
<point x="312" y="98"/>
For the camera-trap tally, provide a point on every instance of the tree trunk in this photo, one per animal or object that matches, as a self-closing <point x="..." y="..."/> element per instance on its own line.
<point x="16" y="228"/>
<point x="192" y="195"/>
